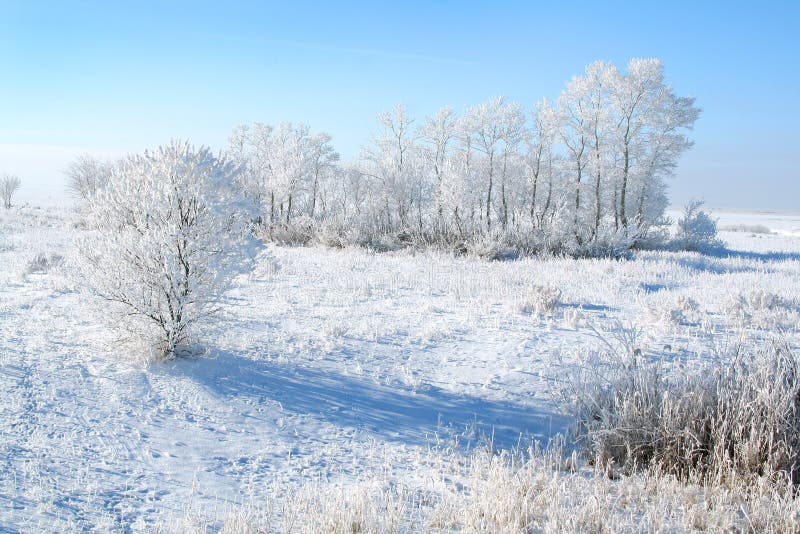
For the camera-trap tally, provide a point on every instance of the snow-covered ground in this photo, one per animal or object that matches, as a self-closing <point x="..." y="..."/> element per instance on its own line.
<point x="331" y="363"/>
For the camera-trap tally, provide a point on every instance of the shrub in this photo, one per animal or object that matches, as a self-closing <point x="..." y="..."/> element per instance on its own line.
<point x="169" y="231"/>
<point x="541" y="300"/>
<point x="86" y="175"/>
<point x="490" y="246"/>
<point x="299" y="231"/>
<point x="42" y="263"/>
<point x="9" y="184"/>
<point x="737" y="419"/>
<point x="696" y="229"/>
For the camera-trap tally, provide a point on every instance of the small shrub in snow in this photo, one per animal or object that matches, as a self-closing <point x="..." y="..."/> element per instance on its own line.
<point x="300" y="231"/>
<point x="760" y="300"/>
<point x="671" y="314"/>
<point x="541" y="300"/>
<point x="334" y="329"/>
<point x="737" y="312"/>
<point x="687" y="304"/>
<point x="9" y="184"/>
<point x="86" y="175"/>
<point x="169" y="231"/>
<point x="608" y="244"/>
<point x="490" y="246"/>
<point x="331" y="234"/>
<point x="42" y="263"/>
<point x="696" y="229"/>
<point x="571" y="317"/>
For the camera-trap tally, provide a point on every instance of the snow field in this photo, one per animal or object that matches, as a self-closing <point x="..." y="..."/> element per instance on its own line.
<point x="337" y="365"/>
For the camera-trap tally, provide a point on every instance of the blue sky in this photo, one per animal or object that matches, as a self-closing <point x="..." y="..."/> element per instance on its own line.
<point x="115" y="77"/>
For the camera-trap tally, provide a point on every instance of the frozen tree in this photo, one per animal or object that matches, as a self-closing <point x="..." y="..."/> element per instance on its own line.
<point x="437" y="135"/>
<point x="574" y="110"/>
<point x="599" y="76"/>
<point x="649" y="136"/>
<point x="282" y="167"/>
<point x="540" y="160"/>
<point x="288" y="164"/>
<point x="250" y="146"/>
<point x="321" y="158"/>
<point x="664" y="142"/>
<point x="8" y="186"/>
<point x="86" y="175"/>
<point x="170" y="230"/>
<point x="389" y="161"/>
<point x="625" y="131"/>
<point x="497" y="127"/>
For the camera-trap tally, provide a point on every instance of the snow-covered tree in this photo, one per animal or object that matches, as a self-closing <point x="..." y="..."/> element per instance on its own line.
<point x="497" y="127"/>
<point x="625" y="132"/>
<point x="437" y="135"/>
<point x="389" y="161"/>
<point x="169" y="231"/>
<point x="651" y="120"/>
<point x="283" y="167"/>
<point x="574" y="110"/>
<point x="540" y="160"/>
<point x="9" y="184"/>
<point x="86" y="175"/>
<point x="321" y="158"/>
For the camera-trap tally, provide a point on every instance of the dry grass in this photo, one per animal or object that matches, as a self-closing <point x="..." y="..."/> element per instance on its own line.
<point x="736" y="418"/>
<point x="534" y="491"/>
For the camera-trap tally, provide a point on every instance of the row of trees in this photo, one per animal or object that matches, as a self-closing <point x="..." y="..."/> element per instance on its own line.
<point x="578" y="172"/>
<point x="170" y="228"/>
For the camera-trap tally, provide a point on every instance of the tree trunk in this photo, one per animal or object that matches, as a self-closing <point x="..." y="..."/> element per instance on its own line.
<point x="625" y="171"/>
<point x="578" y="202"/>
<point x="489" y="193"/>
<point x="314" y="193"/>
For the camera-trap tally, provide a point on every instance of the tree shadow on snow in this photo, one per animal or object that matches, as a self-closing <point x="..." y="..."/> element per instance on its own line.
<point x="391" y="412"/>
<point x="757" y="256"/>
<point x="709" y="261"/>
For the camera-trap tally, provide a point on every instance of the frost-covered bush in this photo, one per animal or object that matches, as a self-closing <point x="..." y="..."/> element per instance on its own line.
<point x="696" y="229"/>
<point x="759" y="300"/>
<point x="737" y="419"/>
<point x="9" y="184"/>
<point x="541" y="300"/>
<point x="608" y="243"/>
<point x="42" y="263"/>
<point x="169" y="230"/>
<point x="331" y="234"/>
<point x="490" y="246"/>
<point x="86" y="175"/>
<point x="300" y="231"/>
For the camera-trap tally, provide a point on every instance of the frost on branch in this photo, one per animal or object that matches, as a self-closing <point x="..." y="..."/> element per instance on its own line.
<point x="170" y="230"/>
